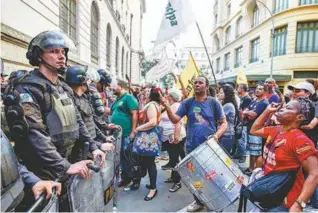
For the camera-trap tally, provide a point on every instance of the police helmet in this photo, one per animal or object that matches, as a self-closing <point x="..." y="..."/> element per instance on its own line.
<point x="93" y="75"/>
<point x="76" y="75"/>
<point x="47" y="40"/>
<point x="105" y="77"/>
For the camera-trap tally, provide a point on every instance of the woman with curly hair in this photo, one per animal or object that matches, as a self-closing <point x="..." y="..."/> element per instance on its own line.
<point x="228" y="101"/>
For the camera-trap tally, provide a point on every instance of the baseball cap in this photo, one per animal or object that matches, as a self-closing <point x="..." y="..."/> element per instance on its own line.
<point x="303" y="85"/>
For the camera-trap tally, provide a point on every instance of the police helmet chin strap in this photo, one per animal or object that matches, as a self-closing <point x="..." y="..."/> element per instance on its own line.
<point x="61" y="70"/>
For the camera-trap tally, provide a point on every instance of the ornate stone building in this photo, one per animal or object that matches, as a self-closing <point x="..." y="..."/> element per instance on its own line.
<point x="107" y="33"/>
<point x="242" y="36"/>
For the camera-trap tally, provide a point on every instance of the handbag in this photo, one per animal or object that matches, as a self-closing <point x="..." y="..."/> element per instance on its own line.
<point x="268" y="191"/>
<point x="147" y="143"/>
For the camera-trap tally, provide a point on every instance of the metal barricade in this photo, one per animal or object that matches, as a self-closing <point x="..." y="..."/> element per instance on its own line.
<point x="94" y="194"/>
<point x="211" y="175"/>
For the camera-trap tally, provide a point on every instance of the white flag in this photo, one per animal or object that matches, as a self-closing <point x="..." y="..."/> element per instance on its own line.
<point x="177" y="17"/>
<point x="161" y="69"/>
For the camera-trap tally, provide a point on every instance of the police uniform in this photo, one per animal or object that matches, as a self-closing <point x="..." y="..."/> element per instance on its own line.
<point x="54" y="126"/>
<point x="14" y="177"/>
<point x="87" y="113"/>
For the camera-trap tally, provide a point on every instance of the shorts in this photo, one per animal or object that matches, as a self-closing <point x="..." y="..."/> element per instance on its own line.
<point x="254" y="145"/>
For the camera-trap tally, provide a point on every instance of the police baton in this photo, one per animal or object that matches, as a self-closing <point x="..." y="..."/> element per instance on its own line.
<point x="91" y="166"/>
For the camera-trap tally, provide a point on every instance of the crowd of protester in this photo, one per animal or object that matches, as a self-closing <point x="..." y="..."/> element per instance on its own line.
<point x="236" y="105"/>
<point x="276" y="131"/>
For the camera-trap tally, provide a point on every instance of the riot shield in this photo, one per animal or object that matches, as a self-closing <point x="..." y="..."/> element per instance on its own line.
<point x="94" y="194"/>
<point x="118" y="137"/>
<point x="41" y="205"/>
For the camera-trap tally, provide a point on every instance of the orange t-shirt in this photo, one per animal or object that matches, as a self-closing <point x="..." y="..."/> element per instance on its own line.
<point x="291" y="148"/>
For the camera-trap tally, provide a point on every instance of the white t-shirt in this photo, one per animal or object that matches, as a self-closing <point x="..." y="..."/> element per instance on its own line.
<point x="168" y="126"/>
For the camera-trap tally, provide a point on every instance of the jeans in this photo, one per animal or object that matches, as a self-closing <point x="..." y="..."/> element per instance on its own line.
<point x="148" y="163"/>
<point x="227" y="142"/>
<point x="177" y="150"/>
<point x="241" y="147"/>
<point x="277" y="209"/>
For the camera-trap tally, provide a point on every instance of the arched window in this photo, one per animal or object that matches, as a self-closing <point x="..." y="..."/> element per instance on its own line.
<point x="94" y="32"/>
<point x="239" y="26"/>
<point x="228" y="35"/>
<point x="122" y="61"/>
<point x="117" y="57"/>
<point x="255" y="16"/>
<point x="108" y="44"/>
<point x="127" y="64"/>
<point x="216" y="43"/>
<point x="67" y="18"/>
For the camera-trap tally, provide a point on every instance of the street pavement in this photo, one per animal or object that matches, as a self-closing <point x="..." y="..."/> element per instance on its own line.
<point x="165" y="201"/>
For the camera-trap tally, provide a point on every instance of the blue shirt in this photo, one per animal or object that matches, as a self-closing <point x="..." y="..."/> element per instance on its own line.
<point x="274" y="98"/>
<point x="258" y="107"/>
<point x="202" y="120"/>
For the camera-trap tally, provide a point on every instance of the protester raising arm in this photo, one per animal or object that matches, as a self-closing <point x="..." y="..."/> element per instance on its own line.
<point x="172" y="116"/>
<point x="258" y="126"/>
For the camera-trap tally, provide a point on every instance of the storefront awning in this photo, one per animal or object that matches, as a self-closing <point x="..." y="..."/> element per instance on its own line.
<point x="251" y="78"/>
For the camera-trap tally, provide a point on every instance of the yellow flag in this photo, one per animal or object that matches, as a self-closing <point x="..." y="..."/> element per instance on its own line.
<point x="241" y="77"/>
<point x="188" y="75"/>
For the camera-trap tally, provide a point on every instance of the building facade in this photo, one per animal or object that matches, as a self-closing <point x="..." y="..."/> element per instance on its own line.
<point x="106" y="33"/>
<point x="242" y="37"/>
<point x="199" y="54"/>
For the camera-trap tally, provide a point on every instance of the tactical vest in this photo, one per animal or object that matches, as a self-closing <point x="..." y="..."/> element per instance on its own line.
<point x="59" y="113"/>
<point x="97" y="103"/>
<point x="11" y="182"/>
<point x="86" y="111"/>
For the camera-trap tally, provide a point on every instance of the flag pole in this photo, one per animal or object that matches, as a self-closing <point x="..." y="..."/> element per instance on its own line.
<point x="206" y="50"/>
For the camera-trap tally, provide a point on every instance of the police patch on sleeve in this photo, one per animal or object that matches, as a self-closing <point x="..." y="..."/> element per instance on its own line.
<point x="28" y="109"/>
<point x="26" y="98"/>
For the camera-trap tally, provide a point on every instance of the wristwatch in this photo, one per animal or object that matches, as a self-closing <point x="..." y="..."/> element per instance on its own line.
<point x="301" y="204"/>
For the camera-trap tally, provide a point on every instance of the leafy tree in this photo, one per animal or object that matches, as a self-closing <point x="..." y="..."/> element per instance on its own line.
<point x="167" y="81"/>
<point x="146" y="65"/>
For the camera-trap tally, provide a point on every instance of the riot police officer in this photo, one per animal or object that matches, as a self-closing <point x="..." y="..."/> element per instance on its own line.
<point x="100" y="99"/>
<point x="52" y="119"/>
<point x="77" y="78"/>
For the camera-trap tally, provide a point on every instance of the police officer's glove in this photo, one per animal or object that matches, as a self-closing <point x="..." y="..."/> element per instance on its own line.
<point x="107" y="147"/>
